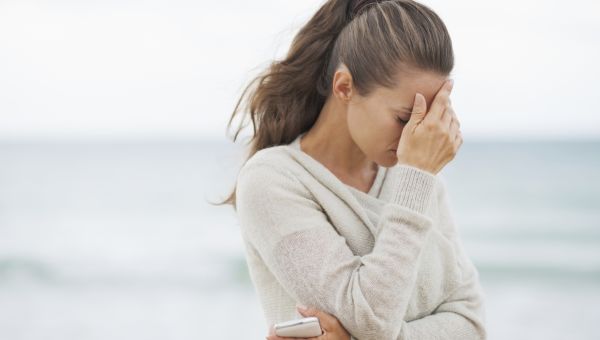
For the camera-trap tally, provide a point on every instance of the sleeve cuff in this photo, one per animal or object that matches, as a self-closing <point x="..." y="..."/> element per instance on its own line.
<point x="409" y="186"/>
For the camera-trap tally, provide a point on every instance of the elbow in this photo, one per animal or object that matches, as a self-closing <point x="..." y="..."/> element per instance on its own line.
<point x="477" y="321"/>
<point x="367" y="316"/>
<point x="480" y="330"/>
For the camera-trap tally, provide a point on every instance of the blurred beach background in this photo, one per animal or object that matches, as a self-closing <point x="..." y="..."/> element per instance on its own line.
<point x="113" y="140"/>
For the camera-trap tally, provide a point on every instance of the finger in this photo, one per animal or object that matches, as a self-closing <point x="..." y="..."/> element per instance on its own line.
<point x="440" y="101"/>
<point x="447" y="119"/>
<point x="323" y="336"/>
<point x="453" y="129"/>
<point x="419" y="108"/>
<point x="326" y="320"/>
<point x="451" y="120"/>
<point x="320" y="337"/>
<point x="272" y="329"/>
<point x="459" y="135"/>
<point x="455" y="124"/>
<point x="458" y="140"/>
<point x="454" y="118"/>
<point x="275" y="337"/>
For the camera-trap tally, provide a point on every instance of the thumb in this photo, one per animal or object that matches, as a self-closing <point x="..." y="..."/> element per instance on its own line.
<point x="305" y="311"/>
<point x="323" y="317"/>
<point x="419" y="108"/>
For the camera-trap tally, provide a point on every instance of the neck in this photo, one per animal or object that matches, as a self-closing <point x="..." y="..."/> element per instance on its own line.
<point x="329" y="142"/>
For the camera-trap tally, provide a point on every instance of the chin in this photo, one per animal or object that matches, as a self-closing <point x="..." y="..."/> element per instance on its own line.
<point x="389" y="160"/>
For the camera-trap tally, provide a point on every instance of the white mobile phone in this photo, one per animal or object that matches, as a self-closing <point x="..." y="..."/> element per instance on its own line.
<point x="299" y="328"/>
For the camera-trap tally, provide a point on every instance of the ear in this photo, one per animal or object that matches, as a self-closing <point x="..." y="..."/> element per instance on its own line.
<point x="342" y="84"/>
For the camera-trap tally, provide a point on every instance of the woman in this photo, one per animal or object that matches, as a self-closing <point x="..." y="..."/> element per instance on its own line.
<point x="340" y="204"/>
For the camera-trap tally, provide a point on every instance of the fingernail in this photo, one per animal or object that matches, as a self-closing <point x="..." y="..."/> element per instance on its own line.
<point x="451" y="81"/>
<point x="301" y="307"/>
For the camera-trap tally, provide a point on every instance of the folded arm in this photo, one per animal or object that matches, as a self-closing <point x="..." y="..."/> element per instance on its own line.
<point x="296" y="240"/>
<point x="462" y="314"/>
<point x="460" y="317"/>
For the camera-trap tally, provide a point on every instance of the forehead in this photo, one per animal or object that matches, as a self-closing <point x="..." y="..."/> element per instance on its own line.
<point x="408" y="83"/>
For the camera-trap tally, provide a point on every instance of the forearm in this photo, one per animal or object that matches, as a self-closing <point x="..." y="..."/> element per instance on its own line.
<point x="467" y="324"/>
<point x="460" y="316"/>
<point x="442" y="326"/>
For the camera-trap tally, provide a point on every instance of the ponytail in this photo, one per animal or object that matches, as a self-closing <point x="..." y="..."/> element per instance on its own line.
<point x="285" y="100"/>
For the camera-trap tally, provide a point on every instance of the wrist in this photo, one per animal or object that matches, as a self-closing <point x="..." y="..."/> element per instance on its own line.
<point x="418" y="165"/>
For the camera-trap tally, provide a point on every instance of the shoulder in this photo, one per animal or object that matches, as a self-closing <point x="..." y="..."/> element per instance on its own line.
<point x="270" y="173"/>
<point x="271" y="200"/>
<point x="273" y="155"/>
<point x="269" y="163"/>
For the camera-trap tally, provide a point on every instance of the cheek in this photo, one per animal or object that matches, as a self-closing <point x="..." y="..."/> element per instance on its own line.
<point x="374" y="132"/>
<point x="360" y="129"/>
<point x="352" y="116"/>
<point x="366" y="119"/>
<point x="357" y="119"/>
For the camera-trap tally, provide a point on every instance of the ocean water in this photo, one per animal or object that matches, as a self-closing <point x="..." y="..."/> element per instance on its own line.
<point x="116" y="240"/>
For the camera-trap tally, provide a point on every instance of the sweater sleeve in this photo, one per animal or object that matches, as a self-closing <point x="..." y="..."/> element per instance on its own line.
<point x="460" y="316"/>
<point x="368" y="294"/>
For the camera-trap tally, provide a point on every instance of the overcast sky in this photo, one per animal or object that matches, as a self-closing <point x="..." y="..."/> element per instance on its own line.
<point x="175" y="68"/>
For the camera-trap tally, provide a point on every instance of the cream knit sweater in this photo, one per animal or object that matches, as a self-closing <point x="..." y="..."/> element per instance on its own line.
<point x="389" y="264"/>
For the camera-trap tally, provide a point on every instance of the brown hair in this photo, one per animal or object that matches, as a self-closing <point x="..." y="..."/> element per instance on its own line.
<point x="374" y="39"/>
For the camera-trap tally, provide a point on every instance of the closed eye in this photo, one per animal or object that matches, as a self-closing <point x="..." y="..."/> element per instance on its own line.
<point x="401" y="120"/>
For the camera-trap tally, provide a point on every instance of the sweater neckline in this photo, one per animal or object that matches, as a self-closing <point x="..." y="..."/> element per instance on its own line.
<point x="375" y="187"/>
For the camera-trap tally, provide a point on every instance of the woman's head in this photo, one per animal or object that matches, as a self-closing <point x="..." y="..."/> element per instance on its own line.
<point x="375" y="122"/>
<point x="384" y="46"/>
